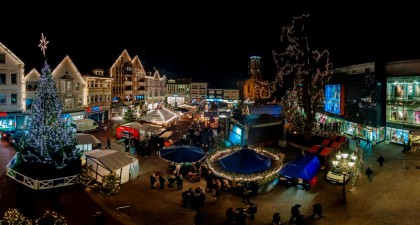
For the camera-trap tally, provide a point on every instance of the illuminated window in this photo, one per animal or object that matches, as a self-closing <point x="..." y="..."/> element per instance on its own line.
<point x="13" y="98"/>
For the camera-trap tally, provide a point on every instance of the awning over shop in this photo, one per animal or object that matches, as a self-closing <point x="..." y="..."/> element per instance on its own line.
<point x="325" y="142"/>
<point x="167" y="134"/>
<point x="314" y="149"/>
<point x="326" y="151"/>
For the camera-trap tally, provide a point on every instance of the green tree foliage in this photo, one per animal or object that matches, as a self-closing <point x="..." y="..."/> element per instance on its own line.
<point x="129" y="116"/>
<point x="110" y="184"/>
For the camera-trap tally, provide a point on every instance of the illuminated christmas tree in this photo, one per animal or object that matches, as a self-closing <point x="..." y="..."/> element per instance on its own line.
<point x="84" y="177"/>
<point x="50" y="142"/>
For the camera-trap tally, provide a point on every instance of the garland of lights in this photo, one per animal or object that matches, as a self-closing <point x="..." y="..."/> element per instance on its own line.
<point x="262" y="177"/>
<point x="51" y="217"/>
<point x="13" y="216"/>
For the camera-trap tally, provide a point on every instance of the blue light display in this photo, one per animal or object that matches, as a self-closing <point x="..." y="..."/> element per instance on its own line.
<point x="332" y="98"/>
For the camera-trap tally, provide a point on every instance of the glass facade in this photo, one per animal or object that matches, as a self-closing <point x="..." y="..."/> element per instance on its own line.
<point x="402" y="108"/>
<point x="362" y="114"/>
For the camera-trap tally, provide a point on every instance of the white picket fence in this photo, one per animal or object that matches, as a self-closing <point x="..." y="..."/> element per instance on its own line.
<point x="38" y="184"/>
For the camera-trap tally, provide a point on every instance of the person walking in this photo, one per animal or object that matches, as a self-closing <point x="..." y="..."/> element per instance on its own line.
<point x="369" y="173"/>
<point x="153" y="181"/>
<point x="381" y="160"/>
<point x="317" y="210"/>
<point x="162" y="181"/>
<point x="108" y="143"/>
<point x="246" y="195"/>
<point x="179" y="181"/>
<point x="276" y="219"/>
<point x="295" y="213"/>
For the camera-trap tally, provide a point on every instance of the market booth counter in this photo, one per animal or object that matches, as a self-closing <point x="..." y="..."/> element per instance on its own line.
<point x="301" y="172"/>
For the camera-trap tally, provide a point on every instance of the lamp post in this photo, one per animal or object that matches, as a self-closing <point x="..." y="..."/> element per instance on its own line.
<point x="345" y="163"/>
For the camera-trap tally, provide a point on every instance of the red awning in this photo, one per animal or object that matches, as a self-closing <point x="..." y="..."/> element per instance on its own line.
<point x="325" y="151"/>
<point x="326" y="142"/>
<point x="335" y="145"/>
<point x="314" y="149"/>
<point x="342" y="139"/>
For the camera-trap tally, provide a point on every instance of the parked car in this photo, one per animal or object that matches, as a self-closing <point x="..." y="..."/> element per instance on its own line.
<point x="335" y="175"/>
<point x="16" y="135"/>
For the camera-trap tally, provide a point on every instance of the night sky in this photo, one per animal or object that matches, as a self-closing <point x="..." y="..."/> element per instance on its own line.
<point x="206" y="40"/>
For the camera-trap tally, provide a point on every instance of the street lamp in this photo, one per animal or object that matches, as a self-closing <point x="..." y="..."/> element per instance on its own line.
<point x="345" y="163"/>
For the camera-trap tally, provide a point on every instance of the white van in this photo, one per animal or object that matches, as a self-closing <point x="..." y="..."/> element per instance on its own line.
<point x="84" y="125"/>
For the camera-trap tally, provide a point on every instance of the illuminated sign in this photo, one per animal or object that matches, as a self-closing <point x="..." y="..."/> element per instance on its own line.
<point x="3" y="114"/>
<point x="334" y="99"/>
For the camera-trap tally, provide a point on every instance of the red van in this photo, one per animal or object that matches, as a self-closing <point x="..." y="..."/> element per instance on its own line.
<point x="126" y="132"/>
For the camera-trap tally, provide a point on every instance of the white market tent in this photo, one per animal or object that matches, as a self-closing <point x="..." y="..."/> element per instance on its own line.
<point x="86" y="142"/>
<point x="145" y="128"/>
<point x="159" y="117"/>
<point x="105" y="161"/>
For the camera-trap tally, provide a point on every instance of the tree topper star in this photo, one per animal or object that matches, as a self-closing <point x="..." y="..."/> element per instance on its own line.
<point x="43" y="44"/>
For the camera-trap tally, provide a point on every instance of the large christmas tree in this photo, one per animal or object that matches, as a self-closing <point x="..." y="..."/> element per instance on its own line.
<point x="50" y="141"/>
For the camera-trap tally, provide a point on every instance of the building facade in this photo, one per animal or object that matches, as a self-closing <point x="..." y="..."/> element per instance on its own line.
<point x="98" y="95"/>
<point x="255" y="73"/>
<point x="178" y="91"/>
<point x="198" y="91"/>
<point x="12" y="90"/>
<point x="155" y="86"/>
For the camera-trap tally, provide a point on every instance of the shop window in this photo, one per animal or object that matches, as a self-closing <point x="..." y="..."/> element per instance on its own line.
<point x="80" y="100"/>
<point x="68" y="103"/>
<point x="13" y="98"/>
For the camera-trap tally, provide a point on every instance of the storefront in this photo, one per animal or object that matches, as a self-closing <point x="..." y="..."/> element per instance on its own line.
<point x="98" y="113"/>
<point x="11" y="120"/>
<point x="402" y="108"/>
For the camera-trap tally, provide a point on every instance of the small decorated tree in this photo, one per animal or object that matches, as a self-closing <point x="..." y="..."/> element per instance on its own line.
<point x="110" y="184"/>
<point x="84" y="177"/>
<point x="129" y="116"/>
<point x="51" y="218"/>
<point x="13" y="216"/>
<point x="48" y="150"/>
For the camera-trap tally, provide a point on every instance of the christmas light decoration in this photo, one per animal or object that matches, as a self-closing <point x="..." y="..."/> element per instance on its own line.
<point x="129" y="116"/>
<point x="50" y="139"/>
<point x="14" y="217"/>
<point x="261" y="177"/>
<point x="84" y="177"/>
<point x="309" y="69"/>
<point x="51" y="218"/>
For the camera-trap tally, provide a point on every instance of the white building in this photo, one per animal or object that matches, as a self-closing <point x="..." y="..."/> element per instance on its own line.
<point x="12" y="90"/>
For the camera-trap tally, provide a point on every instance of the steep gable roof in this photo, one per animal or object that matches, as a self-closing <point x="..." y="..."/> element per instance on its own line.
<point x="122" y="58"/>
<point x="33" y="75"/>
<point x="12" y="54"/>
<point x="137" y="63"/>
<point x="68" y="61"/>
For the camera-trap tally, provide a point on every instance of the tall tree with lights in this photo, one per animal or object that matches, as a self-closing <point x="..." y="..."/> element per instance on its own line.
<point x="129" y="116"/>
<point x="50" y="142"/>
<point x="308" y="70"/>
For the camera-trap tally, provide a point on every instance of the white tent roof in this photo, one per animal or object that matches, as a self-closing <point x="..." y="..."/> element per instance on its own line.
<point x="86" y="139"/>
<point x="111" y="159"/>
<point x="159" y="116"/>
<point x="144" y="127"/>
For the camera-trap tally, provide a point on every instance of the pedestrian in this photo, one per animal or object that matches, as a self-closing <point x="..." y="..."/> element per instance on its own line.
<point x="295" y="213"/>
<point x="127" y="146"/>
<point x="246" y="195"/>
<point x="153" y="181"/>
<point x="108" y="143"/>
<point x="300" y="220"/>
<point x="381" y="160"/>
<point x="317" y="210"/>
<point x="99" y="218"/>
<point x="368" y="145"/>
<point x="276" y="219"/>
<point x="162" y="181"/>
<point x="369" y="173"/>
<point x="99" y="145"/>
<point x="179" y="181"/>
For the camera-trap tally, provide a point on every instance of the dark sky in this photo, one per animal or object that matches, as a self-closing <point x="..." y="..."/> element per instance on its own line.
<point x="207" y="40"/>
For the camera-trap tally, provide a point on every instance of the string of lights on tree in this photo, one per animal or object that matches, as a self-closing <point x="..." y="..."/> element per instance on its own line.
<point x="310" y="69"/>
<point x="50" y="138"/>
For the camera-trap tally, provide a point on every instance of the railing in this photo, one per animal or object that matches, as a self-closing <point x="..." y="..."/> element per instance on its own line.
<point x="37" y="184"/>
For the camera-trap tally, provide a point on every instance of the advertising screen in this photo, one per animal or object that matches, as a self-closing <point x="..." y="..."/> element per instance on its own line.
<point x="333" y="99"/>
